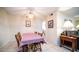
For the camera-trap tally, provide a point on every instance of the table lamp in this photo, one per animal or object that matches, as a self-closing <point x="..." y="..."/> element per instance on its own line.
<point x="77" y="29"/>
<point x="68" y="26"/>
<point x="77" y="26"/>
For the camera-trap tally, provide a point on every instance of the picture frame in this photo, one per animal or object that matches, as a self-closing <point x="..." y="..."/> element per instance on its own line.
<point x="28" y="23"/>
<point x="50" y="24"/>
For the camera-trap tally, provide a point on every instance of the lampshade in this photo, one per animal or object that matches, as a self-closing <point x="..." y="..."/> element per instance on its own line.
<point x="77" y="26"/>
<point x="68" y="25"/>
<point x="30" y="15"/>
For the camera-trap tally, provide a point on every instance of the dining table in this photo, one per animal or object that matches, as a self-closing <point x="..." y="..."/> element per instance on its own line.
<point x="30" y="38"/>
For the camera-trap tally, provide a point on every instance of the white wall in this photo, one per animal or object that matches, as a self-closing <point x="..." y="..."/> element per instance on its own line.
<point x="37" y="25"/>
<point x="4" y="28"/>
<point x="51" y="33"/>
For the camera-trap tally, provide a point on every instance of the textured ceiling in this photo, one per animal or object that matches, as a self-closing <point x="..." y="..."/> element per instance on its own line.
<point x="40" y="11"/>
<point x="35" y="10"/>
<point x="74" y="11"/>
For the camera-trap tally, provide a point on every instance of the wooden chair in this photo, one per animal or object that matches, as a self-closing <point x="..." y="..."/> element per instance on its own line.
<point x="17" y="39"/>
<point x="35" y="32"/>
<point x="37" y="46"/>
<point x="41" y="34"/>
<point x="19" y="34"/>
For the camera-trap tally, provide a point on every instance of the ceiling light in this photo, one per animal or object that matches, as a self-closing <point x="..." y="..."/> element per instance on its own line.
<point x="30" y="15"/>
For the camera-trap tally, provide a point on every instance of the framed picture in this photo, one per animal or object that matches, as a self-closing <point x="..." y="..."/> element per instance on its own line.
<point x="28" y="23"/>
<point x="50" y="24"/>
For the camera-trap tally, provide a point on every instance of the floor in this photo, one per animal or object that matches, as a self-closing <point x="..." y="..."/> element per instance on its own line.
<point x="12" y="47"/>
<point x="53" y="48"/>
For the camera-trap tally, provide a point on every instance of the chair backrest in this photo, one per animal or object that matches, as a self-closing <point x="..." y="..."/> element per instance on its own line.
<point x="19" y="34"/>
<point x="41" y="34"/>
<point x="35" y="32"/>
<point x="17" y="39"/>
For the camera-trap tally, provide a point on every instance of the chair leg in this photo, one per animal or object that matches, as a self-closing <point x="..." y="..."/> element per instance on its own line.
<point x="33" y="47"/>
<point x="39" y="47"/>
<point x="25" y="48"/>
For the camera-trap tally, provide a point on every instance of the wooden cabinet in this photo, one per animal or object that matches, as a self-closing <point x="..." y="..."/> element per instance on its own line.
<point x="66" y="39"/>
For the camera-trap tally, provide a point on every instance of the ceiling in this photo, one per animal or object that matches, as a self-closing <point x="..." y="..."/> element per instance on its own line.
<point x="43" y="11"/>
<point x="74" y="11"/>
<point x="40" y="11"/>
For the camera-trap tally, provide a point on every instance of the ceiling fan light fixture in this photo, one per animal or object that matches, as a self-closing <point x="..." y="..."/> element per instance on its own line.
<point x="30" y="15"/>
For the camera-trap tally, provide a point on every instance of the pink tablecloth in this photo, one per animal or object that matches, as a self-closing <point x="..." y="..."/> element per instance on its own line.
<point x="29" y="38"/>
